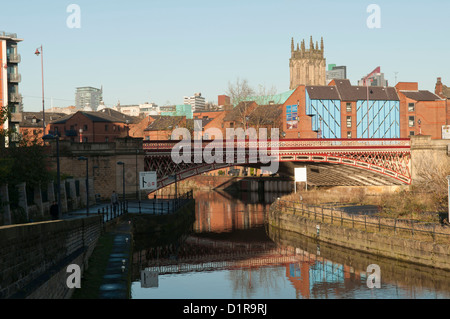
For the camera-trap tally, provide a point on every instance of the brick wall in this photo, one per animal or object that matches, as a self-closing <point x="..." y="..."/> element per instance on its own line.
<point x="34" y="257"/>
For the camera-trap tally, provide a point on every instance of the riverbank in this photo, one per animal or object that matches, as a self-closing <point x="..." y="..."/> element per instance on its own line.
<point x="378" y="236"/>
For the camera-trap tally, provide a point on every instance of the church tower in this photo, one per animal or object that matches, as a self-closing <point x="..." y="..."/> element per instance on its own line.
<point x="307" y="66"/>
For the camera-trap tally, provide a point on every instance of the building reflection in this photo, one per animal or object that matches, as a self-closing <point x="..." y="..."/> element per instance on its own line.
<point x="223" y="212"/>
<point x="230" y="234"/>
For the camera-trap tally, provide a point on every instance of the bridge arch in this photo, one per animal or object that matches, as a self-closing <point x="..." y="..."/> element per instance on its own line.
<point x="383" y="159"/>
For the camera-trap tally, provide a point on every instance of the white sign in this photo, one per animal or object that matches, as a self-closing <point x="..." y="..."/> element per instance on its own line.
<point x="300" y="174"/>
<point x="446" y="132"/>
<point x="147" y="180"/>
<point x="149" y="279"/>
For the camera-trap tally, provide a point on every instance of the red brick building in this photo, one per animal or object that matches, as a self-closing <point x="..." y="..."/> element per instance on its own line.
<point x="85" y="127"/>
<point x="421" y="112"/>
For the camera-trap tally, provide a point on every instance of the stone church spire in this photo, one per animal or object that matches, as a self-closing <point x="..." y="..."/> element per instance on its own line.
<point x="307" y="66"/>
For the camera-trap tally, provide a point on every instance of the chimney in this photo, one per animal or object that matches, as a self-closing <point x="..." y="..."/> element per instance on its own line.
<point x="438" y="88"/>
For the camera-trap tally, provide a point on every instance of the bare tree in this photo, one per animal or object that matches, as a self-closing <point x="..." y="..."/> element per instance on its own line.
<point x="239" y="91"/>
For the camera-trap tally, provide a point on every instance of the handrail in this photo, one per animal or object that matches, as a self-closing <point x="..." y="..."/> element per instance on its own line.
<point x="395" y="225"/>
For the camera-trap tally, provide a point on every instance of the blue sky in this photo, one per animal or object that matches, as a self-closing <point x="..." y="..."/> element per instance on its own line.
<point x="160" y="51"/>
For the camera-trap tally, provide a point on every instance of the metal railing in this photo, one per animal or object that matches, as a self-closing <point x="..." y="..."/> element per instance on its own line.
<point x="167" y="204"/>
<point x="405" y="228"/>
<point x="160" y="205"/>
<point x="111" y="212"/>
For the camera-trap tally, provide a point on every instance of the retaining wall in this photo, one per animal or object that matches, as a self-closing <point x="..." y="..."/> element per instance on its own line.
<point x="34" y="257"/>
<point x="424" y="253"/>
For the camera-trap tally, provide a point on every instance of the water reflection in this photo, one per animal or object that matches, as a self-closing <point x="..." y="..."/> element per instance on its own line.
<point x="229" y="252"/>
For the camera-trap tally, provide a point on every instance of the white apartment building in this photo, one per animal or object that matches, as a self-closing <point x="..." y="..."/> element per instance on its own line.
<point x="197" y="102"/>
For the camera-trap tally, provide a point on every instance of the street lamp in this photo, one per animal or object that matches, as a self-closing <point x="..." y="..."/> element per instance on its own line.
<point x="420" y="129"/>
<point x="123" y="179"/>
<point x="49" y="137"/>
<point x="41" y="53"/>
<point x="82" y="158"/>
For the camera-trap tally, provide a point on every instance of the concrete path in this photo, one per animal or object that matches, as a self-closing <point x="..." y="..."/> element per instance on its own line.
<point x="115" y="278"/>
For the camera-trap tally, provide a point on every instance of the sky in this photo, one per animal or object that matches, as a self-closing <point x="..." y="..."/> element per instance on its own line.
<point x="161" y="51"/>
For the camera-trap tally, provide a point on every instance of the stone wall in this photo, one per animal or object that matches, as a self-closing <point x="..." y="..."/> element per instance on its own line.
<point x="409" y="250"/>
<point x="73" y="197"/>
<point x="103" y="169"/>
<point x="34" y="257"/>
<point x="428" y="154"/>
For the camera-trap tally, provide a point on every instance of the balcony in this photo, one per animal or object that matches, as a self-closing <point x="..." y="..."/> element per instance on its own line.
<point x="16" y="117"/>
<point x="15" y="98"/>
<point x="14" y="78"/>
<point x="14" y="58"/>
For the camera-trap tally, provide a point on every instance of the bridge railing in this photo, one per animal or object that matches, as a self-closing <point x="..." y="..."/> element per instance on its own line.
<point x="162" y="145"/>
<point x="404" y="228"/>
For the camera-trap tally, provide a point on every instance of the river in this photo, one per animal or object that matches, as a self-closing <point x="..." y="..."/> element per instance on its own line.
<point x="228" y="252"/>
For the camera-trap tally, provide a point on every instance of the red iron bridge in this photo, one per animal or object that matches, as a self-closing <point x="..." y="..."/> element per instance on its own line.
<point x="329" y="162"/>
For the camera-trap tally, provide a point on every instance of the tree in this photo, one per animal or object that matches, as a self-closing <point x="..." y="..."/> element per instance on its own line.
<point x="239" y="91"/>
<point x="22" y="161"/>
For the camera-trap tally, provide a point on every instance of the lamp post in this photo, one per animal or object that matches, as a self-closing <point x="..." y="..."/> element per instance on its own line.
<point x="49" y="137"/>
<point x="420" y="129"/>
<point x="123" y="179"/>
<point x="39" y="51"/>
<point x="82" y="158"/>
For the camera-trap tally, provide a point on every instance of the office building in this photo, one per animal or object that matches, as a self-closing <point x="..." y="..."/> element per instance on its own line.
<point x="336" y="73"/>
<point x="374" y="78"/>
<point x="88" y="98"/>
<point x="197" y="102"/>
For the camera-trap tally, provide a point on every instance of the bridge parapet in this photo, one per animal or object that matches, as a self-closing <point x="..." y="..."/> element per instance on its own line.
<point x="165" y="145"/>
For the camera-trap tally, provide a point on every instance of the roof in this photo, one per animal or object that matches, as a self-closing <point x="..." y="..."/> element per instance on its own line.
<point x="120" y="116"/>
<point x="323" y="92"/>
<point x="421" y="95"/>
<point x="279" y="98"/>
<point x="349" y="92"/>
<point x="28" y="118"/>
<point x="164" y="123"/>
<point x="93" y="116"/>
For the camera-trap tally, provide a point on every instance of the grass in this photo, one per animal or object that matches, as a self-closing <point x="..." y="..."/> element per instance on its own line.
<point x="93" y="276"/>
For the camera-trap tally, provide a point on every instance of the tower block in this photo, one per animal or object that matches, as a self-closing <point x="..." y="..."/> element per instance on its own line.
<point x="307" y="66"/>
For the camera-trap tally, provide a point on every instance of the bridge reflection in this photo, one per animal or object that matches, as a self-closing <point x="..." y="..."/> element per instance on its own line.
<point x="230" y="235"/>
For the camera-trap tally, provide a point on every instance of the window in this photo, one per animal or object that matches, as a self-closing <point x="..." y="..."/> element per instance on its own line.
<point x="106" y="127"/>
<point x="411" y="133"/>
<point x="411" y="121"/>
<point x="349" y="107"/>
<point x="106" y="139"/>
<point x="349" y="121"/>
<point x="231" y="124"/>
<point x="411" y="107"/>
<point x="85" y="127"/>
<point x="349" y="134"/>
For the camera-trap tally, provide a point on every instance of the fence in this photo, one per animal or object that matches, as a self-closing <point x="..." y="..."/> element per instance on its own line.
<point x="166" y="204"/>
<point x="391" y="226"/>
